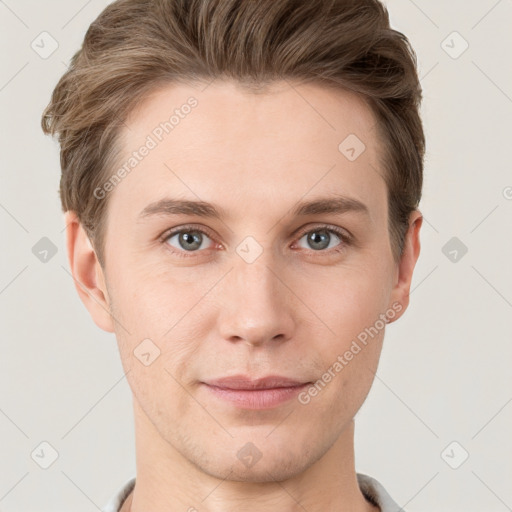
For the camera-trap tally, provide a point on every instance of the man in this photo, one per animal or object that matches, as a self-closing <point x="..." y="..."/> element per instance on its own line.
<point x="241" y="182"/>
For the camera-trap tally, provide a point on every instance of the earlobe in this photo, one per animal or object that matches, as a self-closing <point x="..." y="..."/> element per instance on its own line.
<point x="87" y="273"/>
<point x="410" y="254"/>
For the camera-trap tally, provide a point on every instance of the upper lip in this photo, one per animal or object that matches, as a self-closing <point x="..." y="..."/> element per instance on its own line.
<point x="246" y="382"/>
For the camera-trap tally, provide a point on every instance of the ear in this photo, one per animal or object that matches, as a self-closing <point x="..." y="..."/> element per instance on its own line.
<point x="87" y="273"/>
<point x="410" y="253"/>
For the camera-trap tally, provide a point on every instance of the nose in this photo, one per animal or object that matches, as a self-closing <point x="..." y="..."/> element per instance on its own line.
<point x="257" y="306"/>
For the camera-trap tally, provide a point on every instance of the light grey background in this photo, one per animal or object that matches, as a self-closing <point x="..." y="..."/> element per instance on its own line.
<point x="444" y="374"/>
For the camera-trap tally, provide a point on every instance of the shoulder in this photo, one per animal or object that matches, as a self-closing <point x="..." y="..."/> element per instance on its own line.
<point x="376" y="494"/>
<point x="118" y="498"/>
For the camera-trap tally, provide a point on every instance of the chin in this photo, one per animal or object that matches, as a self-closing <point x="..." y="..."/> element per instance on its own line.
<point x="262" y="472"/>
<point x="257" y="462"/>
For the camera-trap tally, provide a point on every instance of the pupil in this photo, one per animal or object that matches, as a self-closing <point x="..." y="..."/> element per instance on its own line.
<point x="314" y="239"/>
<point x="188" y="238"/>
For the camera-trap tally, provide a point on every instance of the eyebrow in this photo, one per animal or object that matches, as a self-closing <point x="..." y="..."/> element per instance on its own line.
<point x="335" y="205"/>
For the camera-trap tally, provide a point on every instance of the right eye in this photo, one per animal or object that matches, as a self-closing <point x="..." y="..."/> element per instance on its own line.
<point x="186" y="240"/>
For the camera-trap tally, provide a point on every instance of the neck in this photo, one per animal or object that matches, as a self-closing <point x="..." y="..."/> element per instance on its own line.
<point x="168" y="482"/>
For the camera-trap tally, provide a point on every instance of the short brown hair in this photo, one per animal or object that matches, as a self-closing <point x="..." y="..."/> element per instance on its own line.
<point x="134" y="46"/>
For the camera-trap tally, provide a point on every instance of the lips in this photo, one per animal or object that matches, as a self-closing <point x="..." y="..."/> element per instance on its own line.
<point x="245" y="392"/>
<point x="243" y="382"/>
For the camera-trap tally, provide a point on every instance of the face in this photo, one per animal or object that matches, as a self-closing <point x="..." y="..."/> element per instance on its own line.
<point x="292" y="276"/>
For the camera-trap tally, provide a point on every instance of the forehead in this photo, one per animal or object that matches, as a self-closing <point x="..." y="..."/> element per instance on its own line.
<point x="227" y="113"/>
<point x="286" y="142"/>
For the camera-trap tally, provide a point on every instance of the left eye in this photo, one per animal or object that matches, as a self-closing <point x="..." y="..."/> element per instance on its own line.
<point x="320" y="239"/>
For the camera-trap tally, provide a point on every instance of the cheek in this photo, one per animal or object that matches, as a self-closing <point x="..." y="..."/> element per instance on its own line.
<point x="160" y="344"/>
<point x="348" y="373"/>
<point x="157" y="315"/>
<point x="156" y="297"/>
<point x="347" y="304"/>
<point x="349" y="309"/>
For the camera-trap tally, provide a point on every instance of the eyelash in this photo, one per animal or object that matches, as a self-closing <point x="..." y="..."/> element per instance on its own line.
<point x="346" y="240"/>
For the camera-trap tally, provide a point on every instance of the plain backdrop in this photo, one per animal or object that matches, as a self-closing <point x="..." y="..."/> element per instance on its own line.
<point x="435" y="428"/>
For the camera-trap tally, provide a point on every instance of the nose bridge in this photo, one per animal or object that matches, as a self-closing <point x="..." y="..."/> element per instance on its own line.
<point x="255" y="306"/>
<point x="257" y="280"/>
<point x="252" y="266"/>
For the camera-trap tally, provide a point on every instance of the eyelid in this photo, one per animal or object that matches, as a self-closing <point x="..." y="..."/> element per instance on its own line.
<point x="186" y="227"/>
<point x="345" y="235"/>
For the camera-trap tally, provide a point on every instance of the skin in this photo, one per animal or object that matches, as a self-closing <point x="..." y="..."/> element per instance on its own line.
<point x="292" y="311"/>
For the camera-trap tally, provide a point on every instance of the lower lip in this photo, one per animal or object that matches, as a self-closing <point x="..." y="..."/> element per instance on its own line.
<point x="257" y="398"/>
